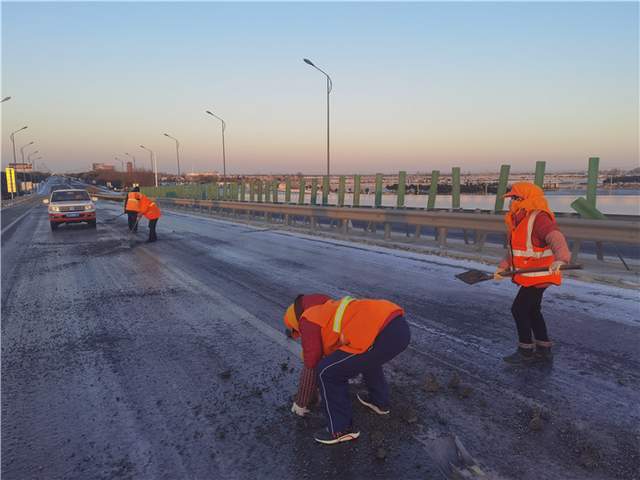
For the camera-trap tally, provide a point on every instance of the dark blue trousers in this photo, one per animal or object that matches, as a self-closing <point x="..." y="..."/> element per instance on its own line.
<point x="335" y="370"/>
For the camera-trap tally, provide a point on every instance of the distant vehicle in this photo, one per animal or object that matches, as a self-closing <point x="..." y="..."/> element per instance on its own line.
<point x="71" y="206"/>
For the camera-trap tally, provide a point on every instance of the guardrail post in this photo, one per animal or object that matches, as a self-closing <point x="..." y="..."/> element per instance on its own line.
<point x="378" y="200"/>
<point x="259" y="186"/>
<point x="433" y="189"/>
<point x="341" y="188"/>
<point x="539" y="178"/>
<point x="592" y="180"/>
<point x="442" y="237"/>
<point x="387" y="231"/>
<point x="326" y="185"/>
<point x="267" y="191"/>
<point x="455" y="188"/>
<point x="301" y="189"/>
<point x="287" y="190"/>
<point x="356" y="191"/>
<point x="314" y="191"/>
<point x="402" y="186"/>
<point x="502" y="188"/>
<point x="586" y="210"/>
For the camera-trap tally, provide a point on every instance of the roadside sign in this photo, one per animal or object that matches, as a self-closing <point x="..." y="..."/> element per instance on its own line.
<point x="11" y="180"/>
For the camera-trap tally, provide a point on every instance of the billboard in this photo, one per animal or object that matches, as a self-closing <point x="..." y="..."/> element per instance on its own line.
<point x="11" y="179"/>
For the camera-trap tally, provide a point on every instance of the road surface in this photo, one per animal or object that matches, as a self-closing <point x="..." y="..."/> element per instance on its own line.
<point x="122" y="359"/>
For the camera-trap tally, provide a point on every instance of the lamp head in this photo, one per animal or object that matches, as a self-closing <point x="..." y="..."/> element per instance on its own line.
<point x="308" y="62"/>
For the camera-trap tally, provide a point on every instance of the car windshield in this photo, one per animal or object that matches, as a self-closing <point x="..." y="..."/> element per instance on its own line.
<point x="78" y="195"/>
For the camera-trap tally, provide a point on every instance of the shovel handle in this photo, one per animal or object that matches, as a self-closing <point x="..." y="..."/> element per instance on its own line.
<point x="510" y="273"/>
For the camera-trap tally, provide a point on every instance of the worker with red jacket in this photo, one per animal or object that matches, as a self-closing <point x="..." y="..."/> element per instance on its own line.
<point x="340" y="340"/>
<point x="132" y="207"/>
<point x="150" y="210"/>
<point x="534" y="241"/>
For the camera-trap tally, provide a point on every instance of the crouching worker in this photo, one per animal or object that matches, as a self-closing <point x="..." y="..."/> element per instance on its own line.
<point x="150" y="209"/>
<point x="132" y="208"/>
<point x="340" y="340"/>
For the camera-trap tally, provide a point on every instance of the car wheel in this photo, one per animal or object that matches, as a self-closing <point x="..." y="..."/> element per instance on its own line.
<point x="54" y="226"/>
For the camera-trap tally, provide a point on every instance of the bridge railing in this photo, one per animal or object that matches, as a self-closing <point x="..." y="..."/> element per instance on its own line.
<point x="443" y="222"/>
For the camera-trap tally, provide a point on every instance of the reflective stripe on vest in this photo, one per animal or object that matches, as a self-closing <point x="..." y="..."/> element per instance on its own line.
<point x="337" y="318"/>
<point x="530" y="252"/>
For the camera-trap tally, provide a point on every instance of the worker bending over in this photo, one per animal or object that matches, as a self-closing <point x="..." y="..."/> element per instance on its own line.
<point x="132" y="207"/>
<point x="340" y="340"/>
<point x="150" y="209"/>
<point x="534" y="241"/>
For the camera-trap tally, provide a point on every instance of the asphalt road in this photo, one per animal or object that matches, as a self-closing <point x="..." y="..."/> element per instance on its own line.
<point x="122" y="359"/>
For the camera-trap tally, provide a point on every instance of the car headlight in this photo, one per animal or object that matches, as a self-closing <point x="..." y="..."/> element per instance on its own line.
<point x="53" y="208"/>
<point x="88" y="207"/>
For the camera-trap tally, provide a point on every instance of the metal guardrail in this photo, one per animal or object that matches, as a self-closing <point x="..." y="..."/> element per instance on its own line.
<point x="577" y="229"/>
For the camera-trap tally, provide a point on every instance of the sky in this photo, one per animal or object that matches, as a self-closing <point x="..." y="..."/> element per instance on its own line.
<point x="416" y="86"/>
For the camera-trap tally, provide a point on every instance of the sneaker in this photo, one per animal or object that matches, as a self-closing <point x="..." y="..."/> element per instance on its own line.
<point x="522" y="356"/>
<point x="366" y="401"/>
<point x="326" y="437"/>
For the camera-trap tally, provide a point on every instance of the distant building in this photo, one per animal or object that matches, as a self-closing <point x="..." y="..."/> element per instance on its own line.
<point x="129" y="168"/>
<point x="103" y="167"/>
<point x="21" y="167"/>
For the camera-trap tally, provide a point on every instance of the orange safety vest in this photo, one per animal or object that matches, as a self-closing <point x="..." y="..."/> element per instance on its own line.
<point x="350" y="325"/>
<point x="526" y="255"/>
<point x="133" y="201"/>
<point x="149" y="208"/>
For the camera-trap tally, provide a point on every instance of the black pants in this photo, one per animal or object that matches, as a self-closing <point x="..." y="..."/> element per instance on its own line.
<point x="132" y="218"/>
<point x="526" y="310"/>
<point x="152" y="230"/>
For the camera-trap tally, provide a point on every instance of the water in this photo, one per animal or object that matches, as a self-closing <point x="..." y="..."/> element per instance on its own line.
<point x="619" y="202"/>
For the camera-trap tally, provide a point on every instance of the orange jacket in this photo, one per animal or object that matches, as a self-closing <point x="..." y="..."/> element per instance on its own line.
<point x="133" y="202"/>
<point x="526" y="255"/>
<point x="149" y="208"/>
<point x="360" y="324"/>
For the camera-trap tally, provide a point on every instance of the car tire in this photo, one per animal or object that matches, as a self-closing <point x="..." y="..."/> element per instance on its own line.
<point x="92" y="224"/>
<point x="54" y="226"/>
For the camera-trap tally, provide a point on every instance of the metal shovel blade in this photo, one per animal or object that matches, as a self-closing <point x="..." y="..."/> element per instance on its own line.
<point x="453" y="460"/>
<point x="472" y="277"/>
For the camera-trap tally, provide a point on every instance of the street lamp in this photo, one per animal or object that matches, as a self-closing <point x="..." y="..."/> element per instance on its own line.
<point x="5" y="99"/>
<point x="22" y="150"/>
<point x="154" y="166"/>
<point x="224" y="159"/>
<point x="118" y="159"/>
<point x="13" y="143"/>
<point x="133" y="157"/>
<point x="177" y="150"/>
<point x="329" y="88"/>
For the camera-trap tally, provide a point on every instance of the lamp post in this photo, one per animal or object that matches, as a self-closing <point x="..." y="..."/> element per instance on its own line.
<point x="177" y="150"/>
<point x="154" y="166"/>
<point x="329" y="88"/>
<point x="5" y="99"/>
<point x="133" y="157"/>
<point x="24" y="168"/>
<point x="13" y="143"/>
<point x="224" y="159"/>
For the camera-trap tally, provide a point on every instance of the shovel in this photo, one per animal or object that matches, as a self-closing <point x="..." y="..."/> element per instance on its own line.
<point x="453" y="460"/>
<point x="472" y="277"/>
<point x="113" y="219"/>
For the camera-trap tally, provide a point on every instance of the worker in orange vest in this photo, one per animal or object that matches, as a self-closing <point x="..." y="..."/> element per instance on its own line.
<point x="149" y="208"/>
<point x="340" y="340"/>
<point x="132" y="207"/>
<point x="534" y="241"/>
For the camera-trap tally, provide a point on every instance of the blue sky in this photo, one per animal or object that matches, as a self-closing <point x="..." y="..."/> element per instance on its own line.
<point x="417" y="86"/>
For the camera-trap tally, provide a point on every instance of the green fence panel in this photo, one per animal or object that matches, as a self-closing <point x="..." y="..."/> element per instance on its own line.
<point x="378" y="201"/>
<point x="455" y="187"/>
<point x="252" y="191"/>
<point x="539" y="178"/>
<point x="402" y="186"/>
<point x="287" y="190"/>
<point x="341" y="189"/>
<point x="356" y="191"/>
<point x="592" y="180"/>
<point x="433" y="189"/>
<point x="301" y="190"/>
<point x="502" y="188"/>
<point x="314" y="191"/>
<point x="243" y="189"/>
<point x="586" y="210"/>
<point x="326" y="185"/>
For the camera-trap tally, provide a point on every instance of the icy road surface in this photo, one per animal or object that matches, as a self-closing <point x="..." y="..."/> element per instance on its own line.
<point x="122" y="359"/>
